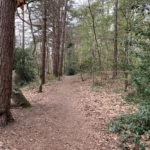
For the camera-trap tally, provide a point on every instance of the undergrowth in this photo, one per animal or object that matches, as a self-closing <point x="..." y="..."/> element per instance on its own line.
<point x="133" y="128"/>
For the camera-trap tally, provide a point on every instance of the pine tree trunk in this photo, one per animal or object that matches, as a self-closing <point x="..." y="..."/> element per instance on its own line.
<point x="54" y="51"/>
<point x="7" y="19"/>
<point x="64" y="15"/>
<point x="115" y="65"/>
<point x="126" y="52"/>
<point x="23" y="30"/>
<point x="56" y="42"/>
<point x="42" y="75"/>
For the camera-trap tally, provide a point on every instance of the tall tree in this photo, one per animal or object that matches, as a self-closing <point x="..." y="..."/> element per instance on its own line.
<point x="95" y="34"/>
<point x="59" y="13"/>
<point x="64" y="15"/>
<point x="42" y="75"/>
<point x="23" y="29"/>
<point x="56" y="37"/>
<point x="115" y="65"/>
<point x="7" y="19"/>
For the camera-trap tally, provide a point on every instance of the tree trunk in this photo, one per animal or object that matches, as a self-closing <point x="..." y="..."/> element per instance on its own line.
<point x="7" y="20"/>
<point x="32" y="32"/>
<point x="47" y="60"/>
<point x="95" y="36"/>
<point x="64" y="15"/>
<point x="42" y="76"/>
<point x="23" y="30"/>
<point x="115" y="65"/>
<point x="54" y="49"/>
<point x="56" y="43"/>
<point x="126" y="83"/>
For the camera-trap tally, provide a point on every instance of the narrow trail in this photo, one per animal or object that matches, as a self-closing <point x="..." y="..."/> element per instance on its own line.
<point x="67" y="116"/>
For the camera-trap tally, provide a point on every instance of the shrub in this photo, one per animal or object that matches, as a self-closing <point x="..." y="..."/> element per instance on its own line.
<point x="23" y="64"/>
<point x="132" y="127"/>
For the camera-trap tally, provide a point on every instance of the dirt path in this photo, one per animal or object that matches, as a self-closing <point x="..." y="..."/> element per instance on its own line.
<point x="67" y="116"/>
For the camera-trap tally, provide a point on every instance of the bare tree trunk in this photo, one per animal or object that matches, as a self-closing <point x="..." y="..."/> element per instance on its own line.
<point x="59" y="23"/>
<point x="23" y="30"/>
<point x="115" y="65"/>
<point x="95" y="35"/>
<point x="47" y="61"/>
<point x="56" y="55"/>
<point x="53" y="45"/>
<point x="7" y="19"/>
<point x="63" y="39"/>
<point x="81" y="72"/>
<point x="32" y="32"/>
<point x="54" y="49"/>
<point x="57" y="48"/>
<point x="126" y="53"/>
<point x="42" y="76"/>
<point x="126" y="62"/>
<point x="56" y="40"/>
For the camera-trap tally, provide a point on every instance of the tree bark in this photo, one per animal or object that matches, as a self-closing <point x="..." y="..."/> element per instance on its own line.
<point x="31" y="28"/>
<point x="7" y="20"/>
<point x="55" y="73"/>
<point x="64" y="15"/>
<point x="115" y="65"/>
<point x="23" y="30"/>
<point x="126" y="83"/>
<point x="42" y="76"/>
<point x="56" y="41"/>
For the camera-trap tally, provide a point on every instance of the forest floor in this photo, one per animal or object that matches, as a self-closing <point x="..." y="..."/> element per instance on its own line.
<point x="68" y="115"/>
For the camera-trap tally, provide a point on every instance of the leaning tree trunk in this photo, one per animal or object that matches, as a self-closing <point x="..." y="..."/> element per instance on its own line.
<point x="7" y="19"/>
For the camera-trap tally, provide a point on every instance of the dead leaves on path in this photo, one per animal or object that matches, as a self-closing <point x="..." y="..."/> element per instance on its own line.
<point x="93" y="111"/>
<point x="100" y="108"/>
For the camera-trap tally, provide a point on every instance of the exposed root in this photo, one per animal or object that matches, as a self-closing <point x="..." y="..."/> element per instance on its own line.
<point x="5" y="118"/>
